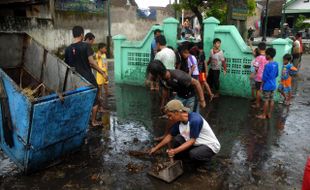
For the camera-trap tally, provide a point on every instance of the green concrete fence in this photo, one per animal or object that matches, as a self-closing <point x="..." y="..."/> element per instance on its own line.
<point x="132" y="58"/>
<point x="238" y="56"/>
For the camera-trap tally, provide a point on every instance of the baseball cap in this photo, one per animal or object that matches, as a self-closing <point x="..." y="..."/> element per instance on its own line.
<point x="176" y="105"/>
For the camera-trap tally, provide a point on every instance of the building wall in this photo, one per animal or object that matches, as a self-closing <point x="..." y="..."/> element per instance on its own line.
<point x="124" y="21"/>
<point x="252" y="19"/>
<point x="53" y="28"/>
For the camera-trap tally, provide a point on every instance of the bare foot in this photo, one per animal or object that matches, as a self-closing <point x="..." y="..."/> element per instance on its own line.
<point x="211" y="97"/>
<point x="269" y="116"/>
<point x="262" y="116"/>
<point x="255" y="106"/>
<point x="96" y="124"/>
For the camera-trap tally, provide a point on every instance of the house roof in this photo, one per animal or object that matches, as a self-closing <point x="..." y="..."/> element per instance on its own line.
<point x="297" y="6"/>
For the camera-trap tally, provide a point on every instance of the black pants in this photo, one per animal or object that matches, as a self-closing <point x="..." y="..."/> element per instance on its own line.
<point x="214" y="79"/>
<point x="200" y="154"/>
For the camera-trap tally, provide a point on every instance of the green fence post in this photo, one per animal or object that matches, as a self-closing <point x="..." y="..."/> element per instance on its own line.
<point x="118" y="64"/>
<point x="171" y="31"/>
<point x="282" y="47"/>
<point x="210" y="24"/>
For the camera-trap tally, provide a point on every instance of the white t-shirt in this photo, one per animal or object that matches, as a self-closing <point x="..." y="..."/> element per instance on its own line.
<point x="191" y="60"/>
<point x="296" y="48"/>
<point x="198" y="128"/>
<point x="216" y="59"/>
<point x="167" y="57"/>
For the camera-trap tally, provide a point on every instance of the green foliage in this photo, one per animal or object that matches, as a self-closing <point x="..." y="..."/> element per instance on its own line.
<point x="251" y="5"/>
<point x="299" y="25"/>
<point x="215" y="8"/>
<point x="184" y="4"/>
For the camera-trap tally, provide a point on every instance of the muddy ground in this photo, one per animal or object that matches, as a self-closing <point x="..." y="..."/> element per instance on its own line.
<point x="255" y="154"/>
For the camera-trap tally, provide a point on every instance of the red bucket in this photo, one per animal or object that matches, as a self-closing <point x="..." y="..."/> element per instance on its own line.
<point x="306" y="180"/>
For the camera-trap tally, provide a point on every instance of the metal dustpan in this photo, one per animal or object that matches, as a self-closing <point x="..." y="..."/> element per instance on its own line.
<point x="170" y="172"/>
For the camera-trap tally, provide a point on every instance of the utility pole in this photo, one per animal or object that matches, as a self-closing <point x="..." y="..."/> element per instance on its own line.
<point x="175" y="11"/>
<point x="283" y="19"/>
<point x="109" y="30"/>
<point x="266" y="21"/>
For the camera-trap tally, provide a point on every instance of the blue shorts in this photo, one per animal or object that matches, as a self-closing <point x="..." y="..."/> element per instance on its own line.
<point x="283" y="89"/>
<point x="190" y="103"/>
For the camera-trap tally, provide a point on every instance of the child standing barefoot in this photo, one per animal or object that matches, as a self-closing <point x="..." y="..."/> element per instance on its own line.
<point x="269" y="83"/>
<point x="103" y="64"/>
<point x="285" y="87"/>
<point x="217" y="61"/>
<point x="253" y="74"/>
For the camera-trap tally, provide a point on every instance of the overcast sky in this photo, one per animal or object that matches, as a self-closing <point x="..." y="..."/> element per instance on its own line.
<point x="147" y="3"/>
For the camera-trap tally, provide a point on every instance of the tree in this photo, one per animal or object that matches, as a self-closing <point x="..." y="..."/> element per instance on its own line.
<point x="299" y="24"/>
<point x="215" y="8"/>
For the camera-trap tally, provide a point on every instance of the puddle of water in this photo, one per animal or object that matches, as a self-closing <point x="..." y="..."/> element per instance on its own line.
<point x="255" y="154"/>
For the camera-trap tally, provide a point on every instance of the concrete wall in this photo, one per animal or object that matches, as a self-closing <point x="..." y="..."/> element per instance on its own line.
<point x="252" y="19"/>
<point x="124" y="21"/>
<point x="53" y="28"/>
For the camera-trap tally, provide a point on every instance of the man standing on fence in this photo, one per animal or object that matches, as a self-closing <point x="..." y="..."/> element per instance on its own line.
<point x="80" y="56"/>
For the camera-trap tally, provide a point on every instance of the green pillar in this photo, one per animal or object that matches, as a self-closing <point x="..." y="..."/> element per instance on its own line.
<point x="282" y="47"/>
<point x="171" y="31"/>
<point x="210" y="24"/>
<point x="118" y="64"/>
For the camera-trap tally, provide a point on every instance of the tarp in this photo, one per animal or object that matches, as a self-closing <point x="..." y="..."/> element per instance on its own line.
<point x="147" y="13"/>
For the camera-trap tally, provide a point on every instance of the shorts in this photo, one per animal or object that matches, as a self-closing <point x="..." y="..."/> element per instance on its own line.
<point x="252" y="84"/>
<point x="202" y="77"/>
<point x="258" y="85"/>
<point x="268" y="95"/>
<point x="195" y="77"/>
<point x="100" y="79"/>
<point x="283" y="89"/>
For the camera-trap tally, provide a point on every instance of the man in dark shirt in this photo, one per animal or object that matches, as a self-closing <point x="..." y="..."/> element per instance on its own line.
<point x="177" y="81"/>
<point x="80" y="56"/>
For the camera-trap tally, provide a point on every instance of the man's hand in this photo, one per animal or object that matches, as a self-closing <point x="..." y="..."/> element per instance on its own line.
<point x="224" y="72"/>
<point x="171" y="152"/>
<point x="153" y="150"/>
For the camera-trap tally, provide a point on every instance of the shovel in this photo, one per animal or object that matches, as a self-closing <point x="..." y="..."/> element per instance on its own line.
<point x="173" y="170"/>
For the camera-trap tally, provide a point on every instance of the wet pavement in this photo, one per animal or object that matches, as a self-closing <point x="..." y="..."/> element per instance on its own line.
<point x="255" y="154"/>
